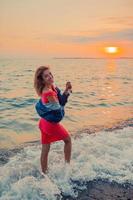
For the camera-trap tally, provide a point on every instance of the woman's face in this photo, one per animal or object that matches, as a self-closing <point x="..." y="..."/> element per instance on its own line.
<point x="48" y="77"/>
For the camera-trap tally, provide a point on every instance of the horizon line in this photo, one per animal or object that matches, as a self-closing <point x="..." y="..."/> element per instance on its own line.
<point x="123" y="57"/>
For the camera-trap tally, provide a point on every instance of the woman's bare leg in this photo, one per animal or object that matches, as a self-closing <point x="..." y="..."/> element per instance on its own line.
<point x="67" y="149"/>
<point x="44" y="157"/>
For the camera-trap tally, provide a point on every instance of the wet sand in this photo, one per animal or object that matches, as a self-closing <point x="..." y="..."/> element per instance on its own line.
<point x="104" y="190"/>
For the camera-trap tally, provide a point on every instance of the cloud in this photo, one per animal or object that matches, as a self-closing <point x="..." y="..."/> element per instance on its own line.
<point x="125" y="21"/>
<point x="111" y="28"/>
<point x="126" y="34"/>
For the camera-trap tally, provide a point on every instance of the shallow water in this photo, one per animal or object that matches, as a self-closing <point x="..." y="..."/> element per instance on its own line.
<point x="106" y="155"/>
<point x="102" y="95"/>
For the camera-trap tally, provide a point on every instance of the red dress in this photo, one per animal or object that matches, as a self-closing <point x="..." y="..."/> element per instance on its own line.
<point x="51" y="131"/>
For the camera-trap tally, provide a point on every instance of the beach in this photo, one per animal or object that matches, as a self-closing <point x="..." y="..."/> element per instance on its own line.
<point x="99" y="118"/>
<point x="93" y="174"/>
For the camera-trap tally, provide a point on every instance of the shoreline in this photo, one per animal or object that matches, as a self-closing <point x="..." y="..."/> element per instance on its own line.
<point x="116" y="126"/>
<point x="6" y="153"/>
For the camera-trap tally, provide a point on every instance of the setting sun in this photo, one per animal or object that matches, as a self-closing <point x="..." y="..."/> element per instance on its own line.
<point x="111" y="50"/>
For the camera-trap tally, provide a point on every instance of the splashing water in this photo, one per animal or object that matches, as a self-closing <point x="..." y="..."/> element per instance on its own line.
<point x="105" y="155"/>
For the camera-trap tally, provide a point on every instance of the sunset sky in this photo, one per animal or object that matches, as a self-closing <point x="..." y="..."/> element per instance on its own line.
<point x="65" y="27"/>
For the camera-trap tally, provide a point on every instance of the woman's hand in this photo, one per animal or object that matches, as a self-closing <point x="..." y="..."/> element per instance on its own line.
<point x="68" y="88"/>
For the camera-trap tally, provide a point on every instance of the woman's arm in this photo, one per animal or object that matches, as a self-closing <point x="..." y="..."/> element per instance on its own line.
<point x="64" y="97"/>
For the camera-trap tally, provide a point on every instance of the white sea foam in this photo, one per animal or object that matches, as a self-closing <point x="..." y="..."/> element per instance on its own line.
<point x="104" y="155"/>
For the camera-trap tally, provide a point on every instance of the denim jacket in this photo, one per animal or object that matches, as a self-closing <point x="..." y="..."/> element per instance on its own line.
<point x="52" y="112"/>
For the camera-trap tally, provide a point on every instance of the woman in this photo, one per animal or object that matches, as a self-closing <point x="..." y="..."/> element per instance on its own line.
<point x="51" y="131"/>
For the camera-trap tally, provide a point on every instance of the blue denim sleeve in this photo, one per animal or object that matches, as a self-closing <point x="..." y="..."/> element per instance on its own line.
<point x="62" y="97"/>
<point x="48" y="113"/>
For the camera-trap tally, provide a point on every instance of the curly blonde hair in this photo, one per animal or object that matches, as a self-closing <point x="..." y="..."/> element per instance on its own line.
<point x="38" y="79"/>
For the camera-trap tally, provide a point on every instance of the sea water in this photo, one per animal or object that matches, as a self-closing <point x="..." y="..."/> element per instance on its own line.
<point x="102" y="95"/>
<point x="101" y="104"/>
<point x="102" y="155"/>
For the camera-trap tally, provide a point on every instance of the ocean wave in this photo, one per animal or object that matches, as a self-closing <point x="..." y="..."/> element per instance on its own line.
<point x="12" y="103"/>
<point x="105" y="155"/>
<point x="102" y="104"/>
